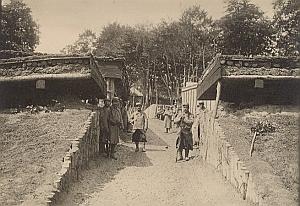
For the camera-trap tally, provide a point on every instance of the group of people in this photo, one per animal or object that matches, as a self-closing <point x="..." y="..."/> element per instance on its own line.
<point x="113" y="118"/>
<point x="189" y="132"/>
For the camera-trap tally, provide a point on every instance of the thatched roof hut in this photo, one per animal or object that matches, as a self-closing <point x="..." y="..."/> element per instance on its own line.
<point x="261" y="80"/>
<point x="36" y="79"/>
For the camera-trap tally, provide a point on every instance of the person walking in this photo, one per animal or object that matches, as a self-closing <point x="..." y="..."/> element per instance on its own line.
<point x="104" y="126"/>
<point x="185" y="139"/>
<point x="115" y="125"/>
<point x="168" y="119"/>
<point x="140" y="126"/>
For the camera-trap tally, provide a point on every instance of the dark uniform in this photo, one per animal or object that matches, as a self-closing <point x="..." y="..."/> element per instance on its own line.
<point x="185" y="139"/>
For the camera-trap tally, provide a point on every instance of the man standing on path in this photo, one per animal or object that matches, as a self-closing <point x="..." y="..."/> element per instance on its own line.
<point x="168" y="119"/>
<point x="115" y="125"/>
<point x="140" y="126"/>
<point x="104" y="126"/>
<point x="185" y="139"/>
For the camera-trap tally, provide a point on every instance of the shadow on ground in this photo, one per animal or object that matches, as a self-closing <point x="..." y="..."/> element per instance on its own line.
<point x="101" y="171"/>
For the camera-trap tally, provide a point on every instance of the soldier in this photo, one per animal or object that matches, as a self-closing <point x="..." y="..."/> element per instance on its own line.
<point x="140" y="126"/>
<point x="185" y="139"/>
<point x="168" y="119"/>
<point x="115" y="125"/>
<point x="104" y="126"/>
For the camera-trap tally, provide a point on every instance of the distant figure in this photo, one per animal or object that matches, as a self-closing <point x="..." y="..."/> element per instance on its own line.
<point x="104" y="125"/>
<point x="140" y="126"/>
<point x="196" y="125"/>
<point x="115" y="125"/>
<point x="185" y="139"/>
<point x="168" y="119"/>
<point x="124" y="116"/>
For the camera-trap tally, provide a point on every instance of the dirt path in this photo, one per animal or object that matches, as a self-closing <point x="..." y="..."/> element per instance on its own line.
<point x="151" y="178"/>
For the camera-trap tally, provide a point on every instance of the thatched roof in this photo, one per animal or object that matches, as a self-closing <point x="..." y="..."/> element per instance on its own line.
<point x="51" y="67"/>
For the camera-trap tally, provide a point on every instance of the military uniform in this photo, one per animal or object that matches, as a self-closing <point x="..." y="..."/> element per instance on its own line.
<point x="185" y="138"/>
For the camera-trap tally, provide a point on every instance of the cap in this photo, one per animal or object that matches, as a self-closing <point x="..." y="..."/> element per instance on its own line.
<point x="138" y="104"/>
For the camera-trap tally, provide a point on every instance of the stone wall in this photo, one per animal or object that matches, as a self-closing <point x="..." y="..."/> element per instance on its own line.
<point x="84" y="147"/>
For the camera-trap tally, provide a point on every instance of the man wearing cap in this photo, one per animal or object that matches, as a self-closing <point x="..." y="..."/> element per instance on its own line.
<point x="104" y="126"/>
<point x="185" y="139"/>
<point x="115" y="125"/>
<point x="140" y="126"/>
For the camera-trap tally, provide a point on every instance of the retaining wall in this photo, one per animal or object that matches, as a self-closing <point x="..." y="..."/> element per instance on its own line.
<point x="83" y="148"/>
<point x="217" y="151"/>
<point x="263" y="189"/>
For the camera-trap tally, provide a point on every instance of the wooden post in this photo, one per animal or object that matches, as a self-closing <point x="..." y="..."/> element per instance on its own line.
<point x="252" y="144"/>
<point x="217" y="99"/>
<point x="1" y="38"/>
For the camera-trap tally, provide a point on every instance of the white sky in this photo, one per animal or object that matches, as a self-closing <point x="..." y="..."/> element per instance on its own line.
<point x="61" y="21"/>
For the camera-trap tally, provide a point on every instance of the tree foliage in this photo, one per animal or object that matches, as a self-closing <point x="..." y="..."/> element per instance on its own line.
<point x="85" y="44"/>
<point x="163" y="57"/>
<point x="286" y="22"/>
<point x="244" y="29"/>
<point x="19" y="30"/>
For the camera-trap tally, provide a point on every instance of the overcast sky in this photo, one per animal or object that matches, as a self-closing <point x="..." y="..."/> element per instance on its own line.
<point x="61" y="21"/>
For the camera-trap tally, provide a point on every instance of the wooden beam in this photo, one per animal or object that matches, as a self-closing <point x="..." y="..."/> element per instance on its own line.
<point x="267" y="77"/>
<point x="70" y="76"/>
<point x="217" y="99"/>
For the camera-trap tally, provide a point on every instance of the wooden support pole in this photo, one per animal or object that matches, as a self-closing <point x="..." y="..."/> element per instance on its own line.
<point x="217" y="99"/>
<point x="252" y="144"/>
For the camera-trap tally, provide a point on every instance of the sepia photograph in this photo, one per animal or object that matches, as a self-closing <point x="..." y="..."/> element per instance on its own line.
<point x="149" y="102"/>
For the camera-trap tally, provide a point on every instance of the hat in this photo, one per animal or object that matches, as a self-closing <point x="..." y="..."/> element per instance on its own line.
<point x="138" y="104"/>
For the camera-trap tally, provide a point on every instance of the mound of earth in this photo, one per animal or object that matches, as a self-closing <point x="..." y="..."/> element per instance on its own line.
<point x="32" y="148"/>
<point x="279" y="148"/>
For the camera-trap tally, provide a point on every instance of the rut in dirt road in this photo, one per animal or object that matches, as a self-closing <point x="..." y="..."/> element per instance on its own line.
<point x="151" y="178"/>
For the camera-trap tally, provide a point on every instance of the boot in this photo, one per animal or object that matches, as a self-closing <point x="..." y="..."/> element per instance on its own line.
<point x="186" y="154"/>
<point x="136" y="147"/>
<point x="112" y="151"/>
<point x="179" y="153"/>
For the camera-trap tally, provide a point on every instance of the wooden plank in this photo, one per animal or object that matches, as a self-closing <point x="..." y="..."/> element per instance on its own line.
<point x="212" y="77"/>
<point x="267" y="77"/>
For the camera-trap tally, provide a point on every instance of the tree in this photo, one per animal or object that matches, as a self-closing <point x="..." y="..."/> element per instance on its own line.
<point x="244" y="29"/>
<point x="197" y="30"/>
<point x="85" y="44"/>
<point x="19" y="30"/>
<point x="286" y="23"/>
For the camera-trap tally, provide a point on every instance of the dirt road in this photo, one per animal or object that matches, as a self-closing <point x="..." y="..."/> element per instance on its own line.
<point x="151" y="178"/>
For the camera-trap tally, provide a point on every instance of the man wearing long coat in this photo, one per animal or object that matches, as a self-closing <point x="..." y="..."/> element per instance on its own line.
<point x="104" y="126"/>
<point x="185" y="139"/>
<point x="115" y="125"/>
